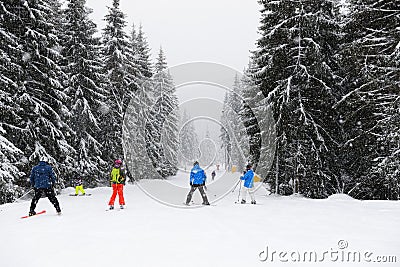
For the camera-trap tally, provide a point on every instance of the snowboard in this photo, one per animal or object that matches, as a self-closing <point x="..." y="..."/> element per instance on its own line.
<point x="85" y="195"/>
<point x="38" y="213"/>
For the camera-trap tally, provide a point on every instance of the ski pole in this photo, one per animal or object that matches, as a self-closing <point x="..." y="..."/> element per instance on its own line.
<point x="233" y="190"/>
<point x="30" y="190"/>
<point x="240" y="189"/>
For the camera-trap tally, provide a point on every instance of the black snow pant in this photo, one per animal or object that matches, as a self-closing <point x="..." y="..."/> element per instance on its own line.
<point x="202" y="192"/>
<point x="49" y="193"/>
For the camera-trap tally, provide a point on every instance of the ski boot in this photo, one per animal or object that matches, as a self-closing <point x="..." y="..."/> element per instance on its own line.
<point x="253" y="202"/>
<point x="32" y="212"/>
<point x="121" y="207"/>
<point x="243" y="201"/>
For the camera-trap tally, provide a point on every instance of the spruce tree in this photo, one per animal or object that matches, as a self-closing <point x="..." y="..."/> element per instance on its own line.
<point x="9" y="50"/>
<point x="208" y="152"/>
<point x="188" y="142"/>
<point x="143" y="54"/>
<point x="41" y="110"/>
<point x="10" y="156"/>
<point x="238" y="125"/>
<point x="9" y="172"/>
<point x="82" y="65"/>
<point x="120" y="86"/>
<point x="295" y="71"/>
<point x="162" y="127"/>
<point x="369" y="98"/>
<point x="259" y="138"/>
<point x="137" y="114"/>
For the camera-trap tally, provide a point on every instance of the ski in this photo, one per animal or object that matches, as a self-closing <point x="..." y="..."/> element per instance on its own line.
<point x="192" y="204"/>
<point x="38" y="213"/>
<point x="248" y="203"/>
<point x="116" y="209"/>
<point x="85" y="195"/>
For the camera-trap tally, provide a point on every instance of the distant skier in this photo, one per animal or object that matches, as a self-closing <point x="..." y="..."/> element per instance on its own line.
<point x="42" y="180"/>
<point x="248" y="178"/>
<point x="197" y="180"/>
<point x="117" y="182"/>
<point x="213" y="175"/>
<point x="77" y="182"/>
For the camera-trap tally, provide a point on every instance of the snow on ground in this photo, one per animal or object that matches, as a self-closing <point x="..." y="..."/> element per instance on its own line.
<point x="149" y="233"/>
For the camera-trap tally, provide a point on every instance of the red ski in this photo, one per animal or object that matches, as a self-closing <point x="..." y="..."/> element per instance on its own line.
<point x="38" y="213"/>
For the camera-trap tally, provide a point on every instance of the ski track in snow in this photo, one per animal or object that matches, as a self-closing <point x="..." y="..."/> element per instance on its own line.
<point x="148" y="233"/>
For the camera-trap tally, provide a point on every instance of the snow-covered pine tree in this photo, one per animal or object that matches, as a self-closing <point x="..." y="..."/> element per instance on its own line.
<point x="234" y="138"/>
<point x="41" y="129"/>
<point x="368" y="104"/>
<point x="162" y="126"/>
<point x="188" y="142"/>
<point x="9" y="173"/>
<point x="240" y="120"/>
<point x="143" y="54"/>
<point x="384" y="179"/>
<point x="260" y="126"/>
<point x="137" y="114"/>
<point x="141" y="59"/>
<point x="225" y="135"/>
<point x="10" y="156"/>
<point x="9" y="51"/>
<point x="208" y="152"/>
<point x="295" y="71"/>
<point x="120" y="81"/>
<point x="82" y="65"/>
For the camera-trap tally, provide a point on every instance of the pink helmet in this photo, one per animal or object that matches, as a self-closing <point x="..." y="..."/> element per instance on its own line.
<point x="118" y="162"/>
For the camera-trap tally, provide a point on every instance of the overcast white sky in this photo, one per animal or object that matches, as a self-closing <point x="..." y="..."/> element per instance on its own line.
<point x="220" y="31"/>
<point x="217" y="31"/>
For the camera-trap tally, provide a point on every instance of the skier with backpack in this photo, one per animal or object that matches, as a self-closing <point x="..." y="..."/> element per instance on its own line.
<point x="117" y="180"/>
<point x="42" y="180"/>
<point x="197" y="180"/>
<point x="248" y="178"/>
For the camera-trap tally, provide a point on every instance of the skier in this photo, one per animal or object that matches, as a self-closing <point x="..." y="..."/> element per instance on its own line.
<point x="197" y="180"/>
<point x="117" y="182"/>
<point x="213" y="175"/>
<point x="248" y="184"/>
<point x="42" y="180"/>
<point x="77" y="182"/>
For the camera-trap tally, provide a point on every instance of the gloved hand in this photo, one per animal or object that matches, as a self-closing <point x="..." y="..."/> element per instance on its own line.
<point x="191" y="184"/>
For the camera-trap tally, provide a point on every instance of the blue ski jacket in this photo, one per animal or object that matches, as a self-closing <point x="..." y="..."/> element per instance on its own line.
<point x="197" y="176"/>
<point x="248" y="178"/>
<point x="42" y="175"/>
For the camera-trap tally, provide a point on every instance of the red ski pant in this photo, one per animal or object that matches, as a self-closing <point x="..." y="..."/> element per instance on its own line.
<point x="117" y="189"/>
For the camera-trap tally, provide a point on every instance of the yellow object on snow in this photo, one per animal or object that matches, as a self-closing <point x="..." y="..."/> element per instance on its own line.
<point x="234" y="168"/>
<point x="256" y="178"/>
<point x="79" y="188"/>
